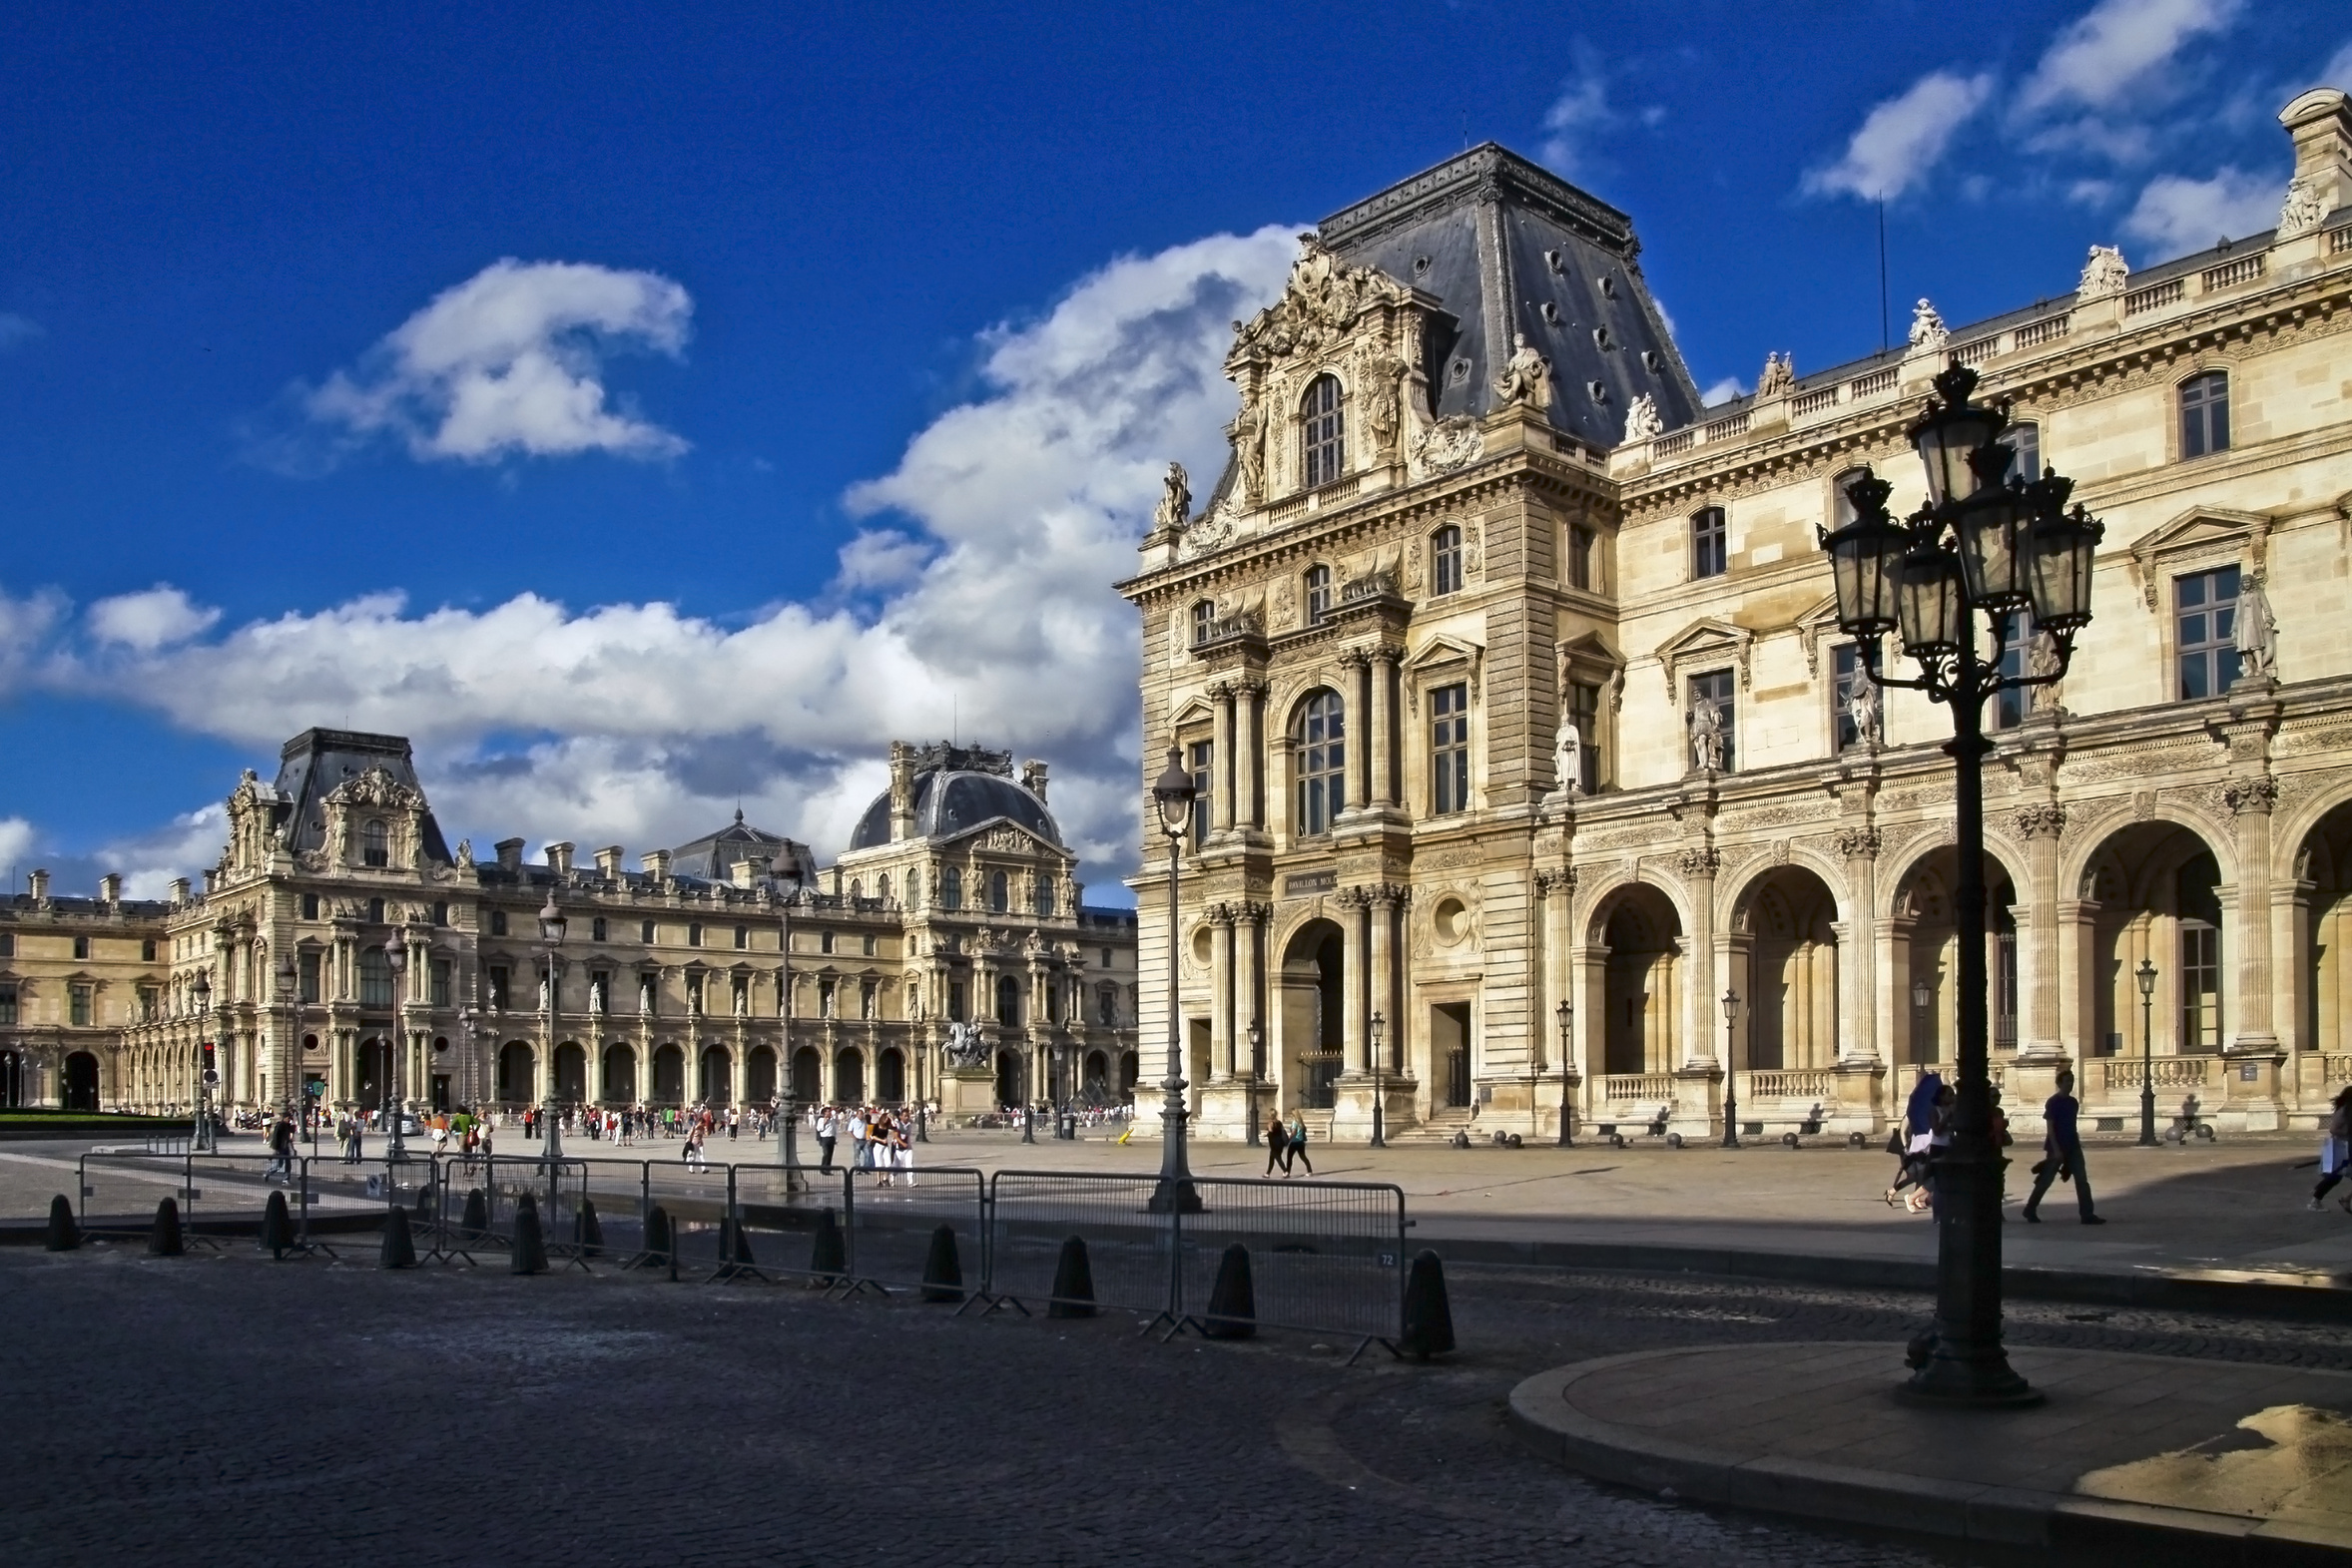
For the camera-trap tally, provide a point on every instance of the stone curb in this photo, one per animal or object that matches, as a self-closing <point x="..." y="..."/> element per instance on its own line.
<point x="2007" y="1516"/>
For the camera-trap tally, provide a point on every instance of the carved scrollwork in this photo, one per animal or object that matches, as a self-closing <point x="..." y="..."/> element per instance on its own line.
<point x="2047" y="820"/>
<point x="1859" y="843"/>
<point x="2251" y="795"/>
<point x="1701" y="862"/>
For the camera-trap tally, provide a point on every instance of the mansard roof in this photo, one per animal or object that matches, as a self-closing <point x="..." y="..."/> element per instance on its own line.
<point x="714" y="856"/>
<point x="314" y="762"/>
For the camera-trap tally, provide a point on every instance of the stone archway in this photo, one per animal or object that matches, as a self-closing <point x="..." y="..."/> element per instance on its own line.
<point x="849" y="1076"/>
<point x="669" y="1075"/>
<point x="81" y="1081"/>
<point x="2152" y="892"/>
<point x="1310" y="1014"/>
<point x="518" y="1073"/>
<point x="1009" y="1089"/>
<point x="1096" y="1088"/>
<point x="808" y="1075"/>
<point x="620" y="1074"/>
<point x="571" y="1073"/>
<point x="1926" y="999"/>
<point x="1784" y="965"/>
<point x="375" y="1078"/>
<point x="758" y="1076"/>
<point x="889" y="1076"/>
<point x="715" y="1084"/>
<point x="1642" y="982"/>
<point x="2323" y="968"/>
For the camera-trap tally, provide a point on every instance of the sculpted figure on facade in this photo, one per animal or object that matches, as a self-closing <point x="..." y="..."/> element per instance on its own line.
<point x="1322" y="301"/>
<point x="1381" y="414"/>
<point x="1527" y="376"/>
<point x="1707" y="735"/>
<point x="2042" y="659"/>
<point x="2304" y="210"/>
<point x="1568" y="747"/>
<point x="1862" y="709"/>
<point x="1928" y="333"/>
<point x="1175" y="509"/>
<point x="2103" y="276"/>
<point x="1641" y="418"/>
<point x="1778" y="378"/>
<point x="1248" y="433"/>
<point x="2257" y="633"/>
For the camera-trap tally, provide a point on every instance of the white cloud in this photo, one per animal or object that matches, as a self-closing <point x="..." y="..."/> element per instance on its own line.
<point x="15" y="329"/>
<point x="2179" y="214"/>
<point x="1902" y="139"/>
<point x="1722" y="392"/>
<point x="2090" y="193"/>
<point x="25" y="628"/>
<point x="510" y="361"/>
<point x="16" y="844"/>
<point x="881" y="558"/>
<point x="1579" y="112"/>
<point x="2111" y="53"/>
<point x="148" y="862"/>
<point x="147" y="621"/>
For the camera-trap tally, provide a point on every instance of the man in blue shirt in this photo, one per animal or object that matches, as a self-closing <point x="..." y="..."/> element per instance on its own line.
<point x="2061" y="1152"/>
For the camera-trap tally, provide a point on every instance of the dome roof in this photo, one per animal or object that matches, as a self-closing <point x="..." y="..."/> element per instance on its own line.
<point x="948" y="802"/>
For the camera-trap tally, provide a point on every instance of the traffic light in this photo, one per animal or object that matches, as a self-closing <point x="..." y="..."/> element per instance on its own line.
<point x="209" y="1056"/>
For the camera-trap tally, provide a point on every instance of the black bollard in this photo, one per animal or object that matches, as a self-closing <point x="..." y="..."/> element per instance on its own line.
<point x="1074" y="1281"/>
<point x="277" y="1226"/>
<point x="64" y="1235"/>
<point x="529" y="1255"/>
<point x="164" y="1240"/>
<point x="942" y="1271"/>
<point x="735" y="1242"/>
<point x="1429" y="1321"/>
<point x="587" y="1230"/>
<point x="828" y="1256"/>
<point x="655" y="1253"/>
<point x="475" y="1224"/>
<point x="399" y="1247"/>
<point x="1233" y="1305"/>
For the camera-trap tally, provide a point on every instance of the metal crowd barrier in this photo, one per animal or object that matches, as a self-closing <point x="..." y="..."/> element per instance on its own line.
<point x="119" y="1192"/>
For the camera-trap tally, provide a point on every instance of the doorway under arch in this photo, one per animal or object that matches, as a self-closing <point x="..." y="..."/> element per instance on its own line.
<point x="758" y="1076"/>
<point x="81" y="1081"/>
<point x="889" y="1076"/>
<point x="620" y="1074"/>
<point x="1009" y="1078"/>
<point x="808" y="1075"/>
<point x="1312" y="1012"/>
<point x="571" y="1073"/>
<point x="2155" y="887"/>
<point x="2323" y="863"/>
<point x="517" y="1074"/>
<point x="1096" y="1088"/>
<point x="1930" y="960"/>
<point x="1642" y="982"/>
<point x="849" y="1076"/>
<point x="669" y="1075"/>
<point x="1784" y="965"/>
<point x="376" y="1077"/>
<point x="717" y="1074"/>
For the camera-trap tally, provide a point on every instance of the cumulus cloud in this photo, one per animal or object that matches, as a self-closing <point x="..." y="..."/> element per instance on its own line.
<point x="2111" y="53"/>
<point x="1576" y="116"/>
<point x="2178" y="213"/>
<point x="26" y="625"/>
<point x="148" y="862"/>
<point x="16" y="844"/>
<point x="1901" y="139"/>
<point x="511" y="362"/>
<point x="147" y="621"/>
<point x="992" y="552"/>
<point x="1722" y="392"/>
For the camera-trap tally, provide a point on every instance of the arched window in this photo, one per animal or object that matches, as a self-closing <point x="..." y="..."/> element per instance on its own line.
<point x="1009" y="999"/>
<point x="1323" y="761"/>
<point x="1446" y="561"/>
<point x="1841" y="505"/>
<point x="375" y="842"/>
<point x="857" y="890"/>
<point x="1323" y="430"/>
<point x="952" y="888"/>
<point x="1043" y="894"/>
<point x="2204" y="414"/>
<point x="882" y="887"/>
<point x="999" y="892"/>
<point x="1204" y="616"/>
<point x="914" y="890"/>
<point x="1317" y="594"/>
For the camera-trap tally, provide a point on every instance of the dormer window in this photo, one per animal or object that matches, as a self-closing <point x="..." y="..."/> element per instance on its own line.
<point x="1317" y="594"/>
<point x="1323" y="430"/>
<point x="375" y="842"/>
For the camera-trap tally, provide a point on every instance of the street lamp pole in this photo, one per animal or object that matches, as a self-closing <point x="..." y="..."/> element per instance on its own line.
<point x="284" y="976"/>
<point x="1380" y="1060"/>
<point x="1567" y="1108"/>
<point x="1256" y="1043"/>
<point x="1730" y="1069"/>
<point x="2146" y="975"/>
<point x="201" y="1140"/>
<point x="1981" y="542"/>
<point x="552" y="925"/>
<point x="1172" y="797"/>
<point x="395" y="957"/>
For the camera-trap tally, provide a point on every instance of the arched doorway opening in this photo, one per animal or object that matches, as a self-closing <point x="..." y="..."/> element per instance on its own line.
<point x="2152" y="894"/>
<point x="1009" y="1078"/>
<point x="1127" y="1075"/>
<point x="849" y="1076"/>
<point x="1313" y="1015"/>
<point x="1096" y="1089"/>
<point x="571" y="1073"/>
<point x="717" y="1073"/>
<point x="1927" y="965"/>
<point x="759" y="1078"/>
<point x="1784" y="965"/>
<point x="375" y="1075"/>
<point x="620" y="1075"/>
<point x="517" y="1073"/>
<point x="808" y="1075"/>
<point x="2323" y="869"/>
<point x="669" y="1075"/>
<point x="1642" y="982"/>
<point x="889" y="1076"/>
<point x="81" y="1081"/>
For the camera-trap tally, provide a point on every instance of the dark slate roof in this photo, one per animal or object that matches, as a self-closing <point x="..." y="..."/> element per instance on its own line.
<point x="18" y="905"/>
<point x="312" y="764"/>
<point x="949" y="802"/>
<point x="714" y="856"/>
<point x="1480" y="231"/>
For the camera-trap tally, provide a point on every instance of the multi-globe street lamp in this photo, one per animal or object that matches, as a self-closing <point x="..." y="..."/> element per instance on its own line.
<point x="2004" y="546"/>
<point x="1172" y="797"/>
<point x="395" y="957"/>
<point x="2146" y="975"/>
<point x="1257" y="1070"/>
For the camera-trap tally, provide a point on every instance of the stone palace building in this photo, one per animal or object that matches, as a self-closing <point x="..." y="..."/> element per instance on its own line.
<point x="1536" y="774"/>
<point x="341" y="946"/>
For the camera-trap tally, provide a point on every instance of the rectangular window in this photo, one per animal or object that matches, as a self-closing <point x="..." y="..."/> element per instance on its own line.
<point x="645" y="932"/>
<point x="1710" y="543"/>
<point x="1106" y="958"/>
<point x="956" y="1003"/>
<point x="596" y="929"/>
<point x="2204" y="414"/>
<point x="309" y="907"/>
<point x="147" y="1003"/>
<point x="2024" y="444"/>
<point x="743" y="938"/>
<point x="1106" y="1007"/>
<point x="2201" y="988"/>
<point x="1449" y="750"/>
<point x="2017" y="637"/>
<point x="439" y="990"/>
<point x="1200" y="759"/>
<point x="7" y="945"/>
<point x="440" y="913"/>
<point x="825" y="990"/>
<point x="824" y="941"/>
<point x="865" y="999"/>
<point x="81" y="947"/>
<point x="1446" y="562"/>
<point x="78" y="1001"/>
<point x="1715" y="686"/>
<point x="1584" y="709"/>
<point x="7" y="1004"/>
<point x="694" y="933"/>
<point x="870" y="943"/>
<point x="147" y="951"/>
<point x="497" y="922"/>
<point x="1580" y="573"/>
<point x="502" y="993"/>
<point x="693" y="993"/>
<point x="2205" y="606"/>
<point x="599" y="993"/>
<point x="306" y="970"/>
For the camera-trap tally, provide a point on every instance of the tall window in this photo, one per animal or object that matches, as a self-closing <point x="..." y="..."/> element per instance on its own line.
<point x="1000" y="894"/>
<point x="1106" y="1007"/>
<point x="1449" y="750"/>
<point x="147" y="951"/>
<point x="1323" y="429"/>
<point x="1009" y="999"/>
<point x="1200" y="759"/>
<point x="498" y="923"/>
<point x="824" y="941"/>
<point x="1579" y="549"/>
<point x="501" y="987"/>
<point x="866" y="945"/>
<point x="2017" y="637"/>
<point x="596" y="929"/>
<point x="956" y="1003"/>
<point x="375" y="843"/>
<point x="309" y="907"/>
<point x="1710" y="542"/>
<point x="1716" y="687"/>
<point x="1841" y="505"/>
<point x="1323" y="761"/>
<point x="441" y="978"/>
<point x="375" y="911"/>
<point x="2204" y="414"/>
<point x="882" y="887"/>
<point x="694" y="934"/>
<point x="1042" y="895"/>
<point x="1446" y="561"/>
<point x="1317" y="594"/>
<point x="308" y="974"/>
<point x="81" y="947"/>
<point x="2200" y="903"/>
<point x="2024" y="449"/>
<point x="952" y="888"/>
<point x="1204" y="614"/>
<point x="375" y="978"/>
<point x="1584" y="708"/>
<point x="78" y="1005"/>
<point x="2206" y="609"/>
<point x="7" y="1004"/>
<point x="644" y="932"/>
<point x="742" y="938"/>
<point x="1849" y="675"/>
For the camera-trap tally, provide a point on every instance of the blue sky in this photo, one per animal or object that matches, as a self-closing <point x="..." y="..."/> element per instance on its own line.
<point x="650" y="408"/>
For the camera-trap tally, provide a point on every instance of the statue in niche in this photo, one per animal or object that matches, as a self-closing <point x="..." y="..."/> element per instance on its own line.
<point x="2042" y="659"/>
<point x="1778" y="378"/>
<point x="1527" y="376"/>
<point x="1175" y="508"/>
<point x="1707" y="735"/>
<point x="1928" y="334"/>
<point x="2257" y="633"/>
<point x="2103" y="276"/>
<point x="1862" y="709"/>
<point x="1248" y="432"/>
<point x="1641" y="419"/>
<point x="1567" y="744"/>
<point x="1382" y="416"/>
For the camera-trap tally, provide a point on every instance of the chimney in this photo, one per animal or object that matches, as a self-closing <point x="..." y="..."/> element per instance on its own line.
<point x="657" y="864"/>
<point x="178" y="889"/>
<point x="559" y="859"/>
<point x="110" y="889"/>
<point x="510" y="853"/>
<point x="1033" y="777"/>
<point x="751" y="870"/>
<point x="40" y="882"/>
<point x="608" y="862"/>
<point x="2320" y="125"/>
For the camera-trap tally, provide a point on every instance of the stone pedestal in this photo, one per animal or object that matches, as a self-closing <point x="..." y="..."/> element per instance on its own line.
<point x="1227" y="1108"/>
<point x="2026" y="1084"/>
<point x="1856" y="1088"/>
<point x="1350" y="1107"/>
<point x="2249" y="1099"/>
<point x="965" y="1092"/>
<point x="1698" y="1103"/>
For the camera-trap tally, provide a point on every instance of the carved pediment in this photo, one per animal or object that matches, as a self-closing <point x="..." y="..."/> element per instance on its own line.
<point x="377" y="786"/>
<point x="1319" y="304"/>
<point x="1441" y="655"/>
<point x="1706" y="641"/>
<point x="2203" y="536"/>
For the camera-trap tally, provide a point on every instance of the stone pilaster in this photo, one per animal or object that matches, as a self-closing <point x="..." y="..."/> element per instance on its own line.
<point x="2041" y="827"/>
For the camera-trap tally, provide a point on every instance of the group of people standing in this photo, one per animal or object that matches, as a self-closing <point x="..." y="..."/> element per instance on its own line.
<point x="882" y="1141"/>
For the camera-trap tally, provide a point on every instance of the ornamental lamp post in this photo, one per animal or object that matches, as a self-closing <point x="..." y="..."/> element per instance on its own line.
<point x="395" y="957"/>
<point x="552" y="925"/>
<point x="1172" y="797"/>
<point x="1380" y="1029"/>
<point x="201" y="1139"/>
<point x="1567" y="1110"/>
<point x="2145" y="974"/>
<point x="283" y="976"/>
<point x="1730" y="1069"/>
<point x="1257" y="1047"/>
<point x="1977" y="545"/>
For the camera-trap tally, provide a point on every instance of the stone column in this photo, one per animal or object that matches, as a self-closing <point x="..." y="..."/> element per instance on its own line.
<point x="1858" y="1012"/>
<point x="1384" y="726"/>
<point x="1222" y="1024"/>
<point x="1363" y="730"/>
<point x="1699" y="1080"/>
<point x="1355" y="980"/>
<point x="1224" y="774"/>
<point x="1383" y="899"/>
<point x="1254" y="750"/>
<point x="1249" y="990"/>
<point x="2252" y="1056"/>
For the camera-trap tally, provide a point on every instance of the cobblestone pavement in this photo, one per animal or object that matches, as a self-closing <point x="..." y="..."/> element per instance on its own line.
<point x="472" y="1416"/>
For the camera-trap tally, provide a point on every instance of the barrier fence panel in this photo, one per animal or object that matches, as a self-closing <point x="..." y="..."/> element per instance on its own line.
<point x="890" y="1227"/>
<point x="1127" y="1246"/>
<point x="503" y="1179"/>
<point x="118" y="1193"/>
<point x="1327" y="1257"/>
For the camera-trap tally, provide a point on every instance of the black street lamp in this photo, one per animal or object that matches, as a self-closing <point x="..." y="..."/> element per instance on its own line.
<point x="1380" y="1030"/>
<point x="2005" y="549"/>
<point x="552" y="926"/>
<point x="395" y="957"/>
<point x="1030" y="1075"/>
<point x="1257" y="1046"/>
<point x="1730" y="1069"/>
<point x="2146" y="975"/>
<point x="1567" y="1109"/>
<point x="206" y="1073"/>
<point x="1172" y="797"/>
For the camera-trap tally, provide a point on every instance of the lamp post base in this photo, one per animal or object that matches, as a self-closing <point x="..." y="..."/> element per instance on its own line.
<point x="2147" y="1109"/>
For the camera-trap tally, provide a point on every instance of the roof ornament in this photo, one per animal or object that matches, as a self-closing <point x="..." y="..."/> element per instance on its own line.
<point x="1641" y="419"/>
<point x="1527" y="376"/>
<point x="1928" y="334"/>
<point x="2304" y="208"/>
<point x="1175" y="509"/>
<point x="1778" y="378"/>
<point x="2103" y="276"/>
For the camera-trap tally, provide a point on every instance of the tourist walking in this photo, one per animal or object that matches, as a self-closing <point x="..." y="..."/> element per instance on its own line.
<point x="903" y="1150"/>
<point x="2335" y="1150"/>
<point x="281" y="1145"/>
<point x="1913" y="1143"/>
<point x="1296" y="1149"/>
<point x="1278" y="1141"/>
<point x="2061" y="1153"/>
<point x="693" y="1151"/>
<point x="829" y="1129"/>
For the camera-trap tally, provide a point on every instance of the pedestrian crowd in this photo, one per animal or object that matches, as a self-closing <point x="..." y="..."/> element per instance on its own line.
<point x="881" y="1140"/>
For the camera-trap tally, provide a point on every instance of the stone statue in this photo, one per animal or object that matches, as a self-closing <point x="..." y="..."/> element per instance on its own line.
<point x="465" y="851"/>
<point x="1641" y="418"/>
<point x="2042" y="659"/>
<point x="1707" y="735"/>
<point x="1527" y="376"/>
<point x="2304" y="210"/>
<point x="1569" y="745"/>
<point x="1249" y="449"/>
<point x="1778" y="378"/>
<point x="2257" y="633"/>
<point x="2103" y="276"/>
<point x="1862" y="708"/>
<point x="1927" y="334"/>
<point x="1175" y="508"/>
<point x="1382" y="416"/>
<point x="965" y="1048"/>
